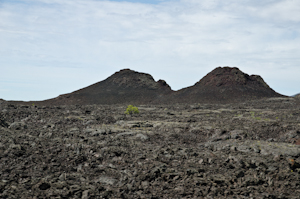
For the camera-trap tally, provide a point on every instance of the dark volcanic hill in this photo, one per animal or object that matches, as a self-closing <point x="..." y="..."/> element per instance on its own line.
<point x="222" y="85"/>
<point x="125" y="86"/>
<point x="226" y="85"/>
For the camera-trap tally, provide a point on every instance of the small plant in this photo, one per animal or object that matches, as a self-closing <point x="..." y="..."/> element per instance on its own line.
<point x="132" y="110"/>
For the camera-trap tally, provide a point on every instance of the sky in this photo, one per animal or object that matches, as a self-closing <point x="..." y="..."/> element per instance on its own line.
<point x="53" y="47"/>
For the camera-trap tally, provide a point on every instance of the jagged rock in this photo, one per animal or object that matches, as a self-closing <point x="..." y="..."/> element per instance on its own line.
<point x="142" y="137"/>
<point x="85" y="194"/>
<point x="44" y="186"/>
<point x="3" y="122"/>
<point x="107" y="180"/>
<point x="17" y="126"/>
<point x="154" y="154"/>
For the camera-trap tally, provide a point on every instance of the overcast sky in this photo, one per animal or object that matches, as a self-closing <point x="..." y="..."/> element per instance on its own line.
<point x="52" y="47"/>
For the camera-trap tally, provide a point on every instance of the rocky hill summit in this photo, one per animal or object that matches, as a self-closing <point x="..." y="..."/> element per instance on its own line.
<point x="226" y="84"/>
<point x="131" y="79"/>
<point x="228" y="76"/>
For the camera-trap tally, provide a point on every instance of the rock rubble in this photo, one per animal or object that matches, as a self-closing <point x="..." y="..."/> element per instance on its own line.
<point x="245" y="150"/>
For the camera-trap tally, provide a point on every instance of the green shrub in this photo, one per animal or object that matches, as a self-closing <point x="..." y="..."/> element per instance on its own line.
<point x="132" y="110"/>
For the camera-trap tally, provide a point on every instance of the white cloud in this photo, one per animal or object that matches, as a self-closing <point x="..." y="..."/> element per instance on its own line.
<point x="287" y="10"/>
<point x="179" y="41"/>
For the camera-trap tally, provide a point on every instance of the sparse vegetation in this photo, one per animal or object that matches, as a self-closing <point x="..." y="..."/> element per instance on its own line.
<point x="257" y="118"/>
<point x="132" y="110"/>
<point x="254" y="117"/>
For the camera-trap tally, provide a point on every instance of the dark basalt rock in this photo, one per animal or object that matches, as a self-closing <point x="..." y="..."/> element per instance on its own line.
<point x="3" y="122"/>
<point x="240" y="150"/>
<point x="44" y="186"/>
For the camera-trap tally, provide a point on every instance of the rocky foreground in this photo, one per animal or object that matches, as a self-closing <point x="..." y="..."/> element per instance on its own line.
<point x="245" y="150"/>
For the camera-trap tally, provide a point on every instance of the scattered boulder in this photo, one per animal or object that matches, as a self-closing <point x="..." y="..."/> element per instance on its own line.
<point x="44" y="186"/>
<point x="17" y="126"/>
<point x="3" y="122"/>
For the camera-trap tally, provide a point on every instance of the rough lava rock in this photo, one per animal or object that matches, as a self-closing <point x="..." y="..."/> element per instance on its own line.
<point x="240" y="150"/>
